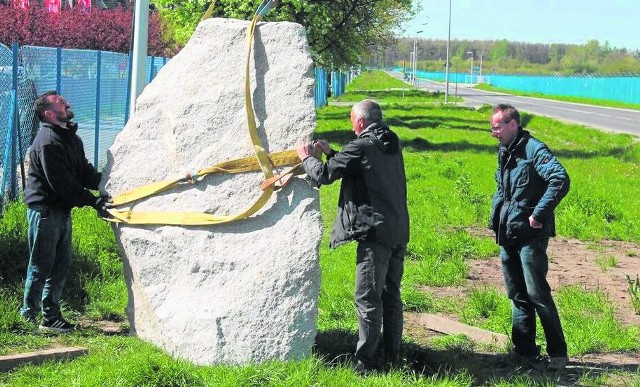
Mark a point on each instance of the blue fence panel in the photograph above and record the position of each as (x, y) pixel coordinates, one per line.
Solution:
(321, 87)
(94, 82)
(613, 88)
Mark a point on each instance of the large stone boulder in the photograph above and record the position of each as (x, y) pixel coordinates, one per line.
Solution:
(233, 293)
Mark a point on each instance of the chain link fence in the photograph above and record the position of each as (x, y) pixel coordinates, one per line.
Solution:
(96, 84)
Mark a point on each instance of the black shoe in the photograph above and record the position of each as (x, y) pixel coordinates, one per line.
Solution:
(535, 360)
(362, 369)
(57, 325)
(557, 363)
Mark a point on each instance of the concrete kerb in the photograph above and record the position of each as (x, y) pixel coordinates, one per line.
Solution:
(9, 362)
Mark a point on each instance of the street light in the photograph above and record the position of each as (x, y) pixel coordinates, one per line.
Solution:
(471, 71)
(447, 65)
(414, 63)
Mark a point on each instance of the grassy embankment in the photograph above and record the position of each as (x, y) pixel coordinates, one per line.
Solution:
(450, 160)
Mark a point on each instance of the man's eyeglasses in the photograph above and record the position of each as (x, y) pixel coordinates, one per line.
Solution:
(498, 128)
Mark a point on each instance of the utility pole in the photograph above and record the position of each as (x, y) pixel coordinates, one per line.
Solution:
(139, 54)
(471, 70)
(414, 64)
(447, 65)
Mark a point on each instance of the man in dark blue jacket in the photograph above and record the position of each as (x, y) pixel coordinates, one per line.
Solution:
(372, 209)
(531, 183)
(59, 179)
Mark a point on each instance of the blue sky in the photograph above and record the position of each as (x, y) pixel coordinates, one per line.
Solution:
(531, 21)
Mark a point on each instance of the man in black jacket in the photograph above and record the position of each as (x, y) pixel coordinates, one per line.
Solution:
(59, 179)
(372, 210)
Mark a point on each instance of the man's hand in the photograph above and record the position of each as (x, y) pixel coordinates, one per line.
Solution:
(323, 145)
(306, 150)
(533, 223)
(102, 205)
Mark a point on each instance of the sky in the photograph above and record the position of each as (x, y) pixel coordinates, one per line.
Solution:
(531, 21)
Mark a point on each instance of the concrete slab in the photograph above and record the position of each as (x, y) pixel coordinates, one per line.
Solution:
(9, 362)
(447, 326)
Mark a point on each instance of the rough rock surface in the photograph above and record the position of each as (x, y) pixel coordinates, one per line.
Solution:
(240, 292)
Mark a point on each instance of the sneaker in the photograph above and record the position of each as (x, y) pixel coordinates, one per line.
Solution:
(557, 363)
(515, 355)
(58, 325)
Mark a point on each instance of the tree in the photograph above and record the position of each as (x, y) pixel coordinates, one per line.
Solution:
(340, 32)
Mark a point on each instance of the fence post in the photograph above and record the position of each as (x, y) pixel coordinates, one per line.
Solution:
(9, 151)
(96, 137)
(16, 110)
(151, 69)
(59, 70)
(129, 69)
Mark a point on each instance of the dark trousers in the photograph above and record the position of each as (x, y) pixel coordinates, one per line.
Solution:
(525, 266)
(377, 297)
(49, 234)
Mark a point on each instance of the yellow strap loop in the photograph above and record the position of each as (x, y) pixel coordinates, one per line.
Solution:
(262, 161)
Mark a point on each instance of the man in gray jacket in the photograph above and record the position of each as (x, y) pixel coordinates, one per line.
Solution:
(531, 182)
(372, 210)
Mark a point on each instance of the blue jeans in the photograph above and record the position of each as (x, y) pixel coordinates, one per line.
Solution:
(377, 297)
(525, 266)
(49, 237)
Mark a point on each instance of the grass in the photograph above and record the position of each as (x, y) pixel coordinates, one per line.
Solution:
(634, 292)
(588, 101)
(450, 160)
(605, 262)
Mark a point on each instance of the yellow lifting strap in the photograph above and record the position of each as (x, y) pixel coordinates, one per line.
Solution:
(261, 161)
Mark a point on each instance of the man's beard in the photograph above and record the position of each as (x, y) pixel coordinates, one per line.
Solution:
(65, 117)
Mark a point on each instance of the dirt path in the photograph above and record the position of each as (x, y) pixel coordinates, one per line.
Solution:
(602, 265)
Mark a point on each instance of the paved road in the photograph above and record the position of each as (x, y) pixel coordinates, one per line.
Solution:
(605, 118)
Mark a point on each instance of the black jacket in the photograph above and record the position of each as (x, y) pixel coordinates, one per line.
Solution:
(531, 181)
(373, 195)
(59, 174)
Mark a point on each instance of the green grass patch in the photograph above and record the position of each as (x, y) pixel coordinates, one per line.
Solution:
(379, 86)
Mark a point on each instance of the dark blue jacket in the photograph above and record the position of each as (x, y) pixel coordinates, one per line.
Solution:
(59, 174)
(531, 181)
(373, 195)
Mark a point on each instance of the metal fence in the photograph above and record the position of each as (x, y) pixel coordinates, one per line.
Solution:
(613, 87)
(96, 84)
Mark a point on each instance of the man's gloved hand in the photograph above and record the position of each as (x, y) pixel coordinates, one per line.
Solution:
(102, 204)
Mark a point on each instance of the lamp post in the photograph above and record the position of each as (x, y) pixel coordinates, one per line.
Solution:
(471, 70)
(447, 65)
(411, 66)
(414, 64)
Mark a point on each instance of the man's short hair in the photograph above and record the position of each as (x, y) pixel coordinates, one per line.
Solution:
(42, 103)
(369, 110)
(508, 112)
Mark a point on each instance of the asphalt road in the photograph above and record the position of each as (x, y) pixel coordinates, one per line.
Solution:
(608, 119)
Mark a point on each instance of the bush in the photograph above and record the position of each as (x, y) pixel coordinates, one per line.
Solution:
(100, 29)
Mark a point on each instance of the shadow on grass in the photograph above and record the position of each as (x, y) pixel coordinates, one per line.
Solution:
(14, 260)
(340, 137)
(336, 348)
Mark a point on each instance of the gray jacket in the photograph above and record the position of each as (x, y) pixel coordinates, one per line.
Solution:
(531, 181)
(373, 194)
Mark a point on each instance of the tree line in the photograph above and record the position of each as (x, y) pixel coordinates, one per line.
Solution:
(507, 57)
(340, 33)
